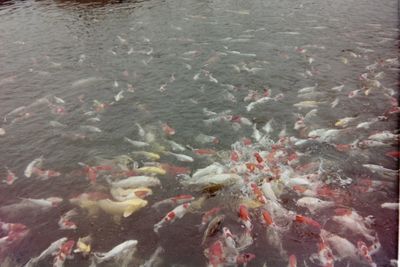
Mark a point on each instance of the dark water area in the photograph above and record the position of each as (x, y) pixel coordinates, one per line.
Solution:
(76, 77)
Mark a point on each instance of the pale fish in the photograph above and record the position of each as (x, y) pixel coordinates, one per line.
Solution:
(307, 89)
(307, 104)
(29, 169)
(124, 208)
(344, 122)
(222, 179)
(392, 206)
(215, 168)
(151, 170)
(149, 155)
(119, 96)
(175, 146)
(121, 194)
(136, 181)
(136, 143)
(180, 157)
(85, 81)
(154, 259)
(141, 131)
(384, 136)
(314, 204)
(262, 100)
(388, 174)
(338, 88)
(90, 128)
(118, 251)
(54, 247)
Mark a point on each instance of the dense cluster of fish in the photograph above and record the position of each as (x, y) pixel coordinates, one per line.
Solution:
(270, 185)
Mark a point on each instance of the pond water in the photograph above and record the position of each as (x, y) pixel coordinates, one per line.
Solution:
(295, 101)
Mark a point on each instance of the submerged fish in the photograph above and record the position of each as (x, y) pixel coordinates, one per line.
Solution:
(118, 251)
(124, 208)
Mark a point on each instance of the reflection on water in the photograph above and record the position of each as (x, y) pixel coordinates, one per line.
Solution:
(292, 107)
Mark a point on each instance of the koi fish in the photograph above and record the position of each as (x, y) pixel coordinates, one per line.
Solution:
(213, 227)
(151, 170)
(55, 246)
(171, 216)
(124, 208)
(168, 130)
(136, 143)
(121, 194)
(64, 251)
(175, 146)
(65, 223)
(149, 155)
(45, 174)
(154, 258)
(180, 157)
(208, 215)
(135, 181)
(29, 169)
(116, 252)
(11, 177)
(308, 221)
(177, 200)
(314, 204)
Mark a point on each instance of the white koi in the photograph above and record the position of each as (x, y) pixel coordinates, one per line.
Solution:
(117, 251)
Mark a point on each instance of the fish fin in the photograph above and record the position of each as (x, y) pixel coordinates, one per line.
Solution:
(128, 212)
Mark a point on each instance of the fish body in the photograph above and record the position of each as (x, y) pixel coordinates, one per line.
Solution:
(136, 143)
(117, 251)
(176, 200)
(55, 246)
(181, 157)
(121, 194)
(124, 208)
(136, 181)
(90, 129)
(392, 206)
(64, 251)
(222, 179)
(11, 177)
(149, 155)
(384, 136)
(175, 146)
(213, 227)
(171, 216)
(29, 169)
(151, 170)
(314, 204)
(262, 100)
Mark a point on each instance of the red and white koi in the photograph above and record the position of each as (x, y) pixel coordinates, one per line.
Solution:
(208, 215)
(176, 213)
(168, 130)
(53, 248)
(65, 222)
(45, 174)
(11, 177)
(176, 200)
(63, 253)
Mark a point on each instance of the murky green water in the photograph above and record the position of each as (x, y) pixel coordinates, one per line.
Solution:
(171, 61)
